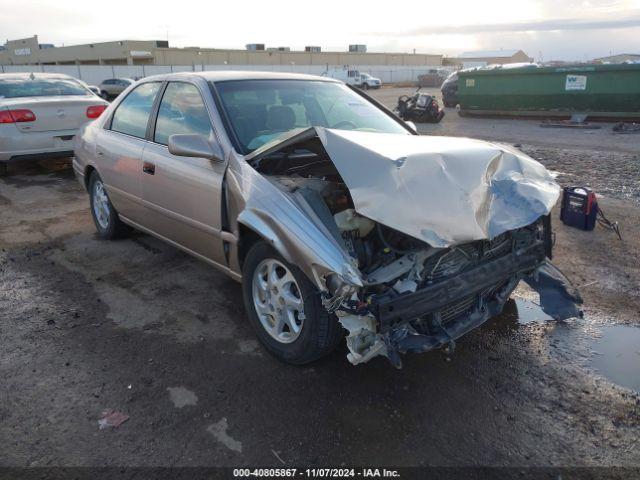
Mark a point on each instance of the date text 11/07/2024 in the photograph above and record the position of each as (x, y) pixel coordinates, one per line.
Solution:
(316, 472)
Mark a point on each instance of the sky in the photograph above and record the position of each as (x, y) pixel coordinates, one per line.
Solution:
(544, 29)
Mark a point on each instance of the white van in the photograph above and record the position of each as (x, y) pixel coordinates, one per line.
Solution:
(353, 77)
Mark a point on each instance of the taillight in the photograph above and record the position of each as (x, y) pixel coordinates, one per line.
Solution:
(5, 116)
(95, 111)
(17, 116)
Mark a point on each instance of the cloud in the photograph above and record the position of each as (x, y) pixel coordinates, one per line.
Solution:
(572, 29)
(630, 20)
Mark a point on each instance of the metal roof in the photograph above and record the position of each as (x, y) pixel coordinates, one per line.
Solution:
(488, 53)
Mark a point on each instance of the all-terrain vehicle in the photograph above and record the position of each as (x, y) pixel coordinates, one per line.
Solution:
(420, 107)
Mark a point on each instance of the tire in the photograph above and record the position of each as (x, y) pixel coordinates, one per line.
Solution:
(365, 86)
(104, 95)
(319, 332)
(4, 169)
(105, 217)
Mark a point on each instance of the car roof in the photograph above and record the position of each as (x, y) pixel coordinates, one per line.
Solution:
(226, 75)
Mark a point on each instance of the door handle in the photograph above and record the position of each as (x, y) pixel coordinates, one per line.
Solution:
(148, 167)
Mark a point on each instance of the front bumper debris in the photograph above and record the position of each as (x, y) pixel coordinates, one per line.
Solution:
(472, 281)
(419, 322)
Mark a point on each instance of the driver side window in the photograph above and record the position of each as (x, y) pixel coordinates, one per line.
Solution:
(182, 111)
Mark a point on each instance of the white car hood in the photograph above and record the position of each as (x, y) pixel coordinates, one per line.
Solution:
(442, 190)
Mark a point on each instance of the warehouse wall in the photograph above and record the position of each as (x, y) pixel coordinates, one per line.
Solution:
(182, 56)
(135, 52)
(95, 74)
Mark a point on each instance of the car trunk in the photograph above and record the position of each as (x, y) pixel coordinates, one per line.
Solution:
(55, 113)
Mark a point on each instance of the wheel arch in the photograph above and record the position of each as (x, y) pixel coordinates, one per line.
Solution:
(247, 238)
(88, 170)
(253, 228)
(252, 232)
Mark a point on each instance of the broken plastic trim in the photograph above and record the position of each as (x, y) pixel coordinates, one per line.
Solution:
(437, 296)
(558, 298)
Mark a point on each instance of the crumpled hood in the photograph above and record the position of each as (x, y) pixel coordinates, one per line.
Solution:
(442, 190)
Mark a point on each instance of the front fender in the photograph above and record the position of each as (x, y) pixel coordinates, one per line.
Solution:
(273, 214)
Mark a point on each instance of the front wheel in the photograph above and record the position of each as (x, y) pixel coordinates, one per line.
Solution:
(105, 216)
(285, 309)
(365, 86)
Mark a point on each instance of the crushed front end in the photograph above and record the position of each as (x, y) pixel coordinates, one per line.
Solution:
(429, 236)
(442, 294)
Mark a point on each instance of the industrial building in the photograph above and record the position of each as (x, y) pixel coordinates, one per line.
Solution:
(28, 51)
(489, 57)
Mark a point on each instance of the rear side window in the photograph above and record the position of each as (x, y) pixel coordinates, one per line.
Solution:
(40, 87)
(182, 111)
(132, 115)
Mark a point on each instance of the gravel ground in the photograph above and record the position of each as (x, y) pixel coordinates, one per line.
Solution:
(609, 173)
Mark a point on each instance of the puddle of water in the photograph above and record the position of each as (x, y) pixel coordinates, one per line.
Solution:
(613, 351)
(517, 311)
(529, 312)
(616, 355)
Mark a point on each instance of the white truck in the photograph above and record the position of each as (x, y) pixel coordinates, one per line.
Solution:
(354, 77)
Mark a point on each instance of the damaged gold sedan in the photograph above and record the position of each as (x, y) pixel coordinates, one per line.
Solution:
(338, 219)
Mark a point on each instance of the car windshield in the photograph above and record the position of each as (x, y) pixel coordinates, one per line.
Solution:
(262, 110)
(40, 87)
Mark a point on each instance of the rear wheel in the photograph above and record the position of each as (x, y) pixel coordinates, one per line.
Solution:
(285, 308)
(105, 216)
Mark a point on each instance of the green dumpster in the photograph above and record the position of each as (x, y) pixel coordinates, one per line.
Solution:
(602, 91)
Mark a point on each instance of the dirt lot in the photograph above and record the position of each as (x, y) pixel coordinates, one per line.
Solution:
(139, 327)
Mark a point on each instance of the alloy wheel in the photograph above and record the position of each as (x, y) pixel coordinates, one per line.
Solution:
(101, 204)
(277, 300)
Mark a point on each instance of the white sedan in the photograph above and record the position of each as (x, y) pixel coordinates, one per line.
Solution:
(40, 115)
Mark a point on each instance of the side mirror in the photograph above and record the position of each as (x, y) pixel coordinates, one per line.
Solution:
(194, 146)
(412, 126)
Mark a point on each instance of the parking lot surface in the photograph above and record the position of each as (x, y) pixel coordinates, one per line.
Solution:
(138, 327)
